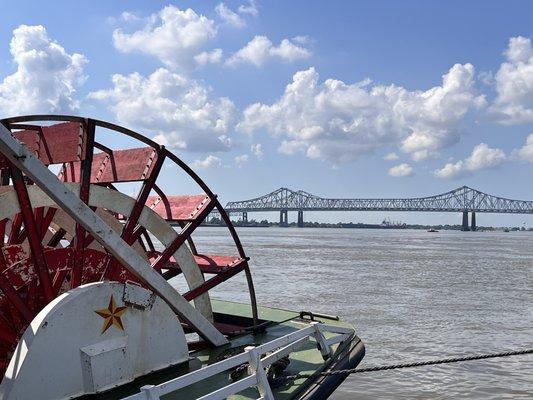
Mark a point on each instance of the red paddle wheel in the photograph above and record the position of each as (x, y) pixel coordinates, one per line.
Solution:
(44, 252)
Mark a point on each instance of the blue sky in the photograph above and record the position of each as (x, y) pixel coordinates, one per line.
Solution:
(308, 95)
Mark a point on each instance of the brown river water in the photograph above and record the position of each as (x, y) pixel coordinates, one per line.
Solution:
(411, 296)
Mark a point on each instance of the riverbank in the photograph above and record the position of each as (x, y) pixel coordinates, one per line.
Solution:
(357, 225)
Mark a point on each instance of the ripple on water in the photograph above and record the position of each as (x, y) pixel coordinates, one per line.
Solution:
(411, 295)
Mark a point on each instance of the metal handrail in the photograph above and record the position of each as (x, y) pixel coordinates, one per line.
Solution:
(258, 358)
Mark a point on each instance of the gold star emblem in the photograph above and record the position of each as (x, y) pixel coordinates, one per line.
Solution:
(111, 315)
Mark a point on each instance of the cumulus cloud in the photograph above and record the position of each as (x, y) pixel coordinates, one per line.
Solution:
(257, 150)
(46, 78)
(514, 84)
(525, 153)
(390, 156)
(250, 8)
(482, 157)
(230, 17)
(181, 111)
(338, 122)
(208, 57)
(172, 35)
(400, 171)
(260, 50)
(241, 160)
(209, 162)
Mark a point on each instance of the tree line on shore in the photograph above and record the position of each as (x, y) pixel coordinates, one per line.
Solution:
(214, 221)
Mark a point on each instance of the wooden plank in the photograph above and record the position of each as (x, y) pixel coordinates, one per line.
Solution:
(182, 208)
(55, 144)
(129, 165)
(23, 159)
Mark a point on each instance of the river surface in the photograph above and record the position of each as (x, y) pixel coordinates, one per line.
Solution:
(411, 296)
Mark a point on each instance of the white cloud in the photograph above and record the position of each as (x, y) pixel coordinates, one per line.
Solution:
(208, 57)
(514, 84)
(452, 170)
(302, 39)
(257, 150)
(482, 157)
(525, 153)
(181, 111)
(400, 171)
(241, 160)
(209, 162)
(46, 78)
(260, 50)
(172, 35)
(250, 8)
(338, 122)
(229, 17)
(391, 156)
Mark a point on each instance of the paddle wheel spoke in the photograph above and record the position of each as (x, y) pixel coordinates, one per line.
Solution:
(47, 220)
(34, 238)
(12, 295)
(185, 233)
(48, 247)
(16, 225)
(85, 181)
(128, 232)
(3, 224)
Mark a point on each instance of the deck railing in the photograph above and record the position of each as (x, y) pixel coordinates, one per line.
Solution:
(258, 358)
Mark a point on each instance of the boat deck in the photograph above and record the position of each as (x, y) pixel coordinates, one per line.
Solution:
(306, 360)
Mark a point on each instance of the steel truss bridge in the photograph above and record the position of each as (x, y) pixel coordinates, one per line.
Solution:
(463, 200)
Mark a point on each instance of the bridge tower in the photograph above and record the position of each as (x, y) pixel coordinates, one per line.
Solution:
(284, 218)
(244, 217)
(473, 222)
(300, 218)
(465, 226)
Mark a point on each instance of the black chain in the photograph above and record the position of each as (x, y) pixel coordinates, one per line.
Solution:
(412, 365)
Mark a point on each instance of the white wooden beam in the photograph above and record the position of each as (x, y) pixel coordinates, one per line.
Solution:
(22, 158)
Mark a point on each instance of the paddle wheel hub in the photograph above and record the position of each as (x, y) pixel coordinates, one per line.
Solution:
(83, 212)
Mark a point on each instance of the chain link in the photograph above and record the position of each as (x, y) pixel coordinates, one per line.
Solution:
(413, 364)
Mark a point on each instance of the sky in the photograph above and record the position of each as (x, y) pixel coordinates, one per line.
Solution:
(337, 98)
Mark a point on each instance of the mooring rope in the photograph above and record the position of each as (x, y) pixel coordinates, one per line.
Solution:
(413, 364)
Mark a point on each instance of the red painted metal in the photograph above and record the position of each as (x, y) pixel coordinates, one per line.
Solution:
(216, 280)
(34, 238)
(47, 220)
(55, 144)
(182, 208)
(12, 295)
(128, 229)
(120, 166)
(16, 224)
(183, 235)
(31, 267)
(85, 180)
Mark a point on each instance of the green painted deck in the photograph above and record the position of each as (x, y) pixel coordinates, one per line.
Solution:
(308, 360)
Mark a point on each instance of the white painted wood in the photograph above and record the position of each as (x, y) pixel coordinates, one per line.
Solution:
(231, 389)
(321, 340)
(64, 353)
(256, 368)
(282, 352)
(21, 157)
(284, 346)
(117, 202)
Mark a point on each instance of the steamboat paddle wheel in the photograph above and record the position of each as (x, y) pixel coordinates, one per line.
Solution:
(87, 274)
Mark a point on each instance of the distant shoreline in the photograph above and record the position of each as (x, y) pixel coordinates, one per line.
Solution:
(351, 225)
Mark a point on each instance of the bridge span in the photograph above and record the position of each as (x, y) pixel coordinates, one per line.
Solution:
(463, 200)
